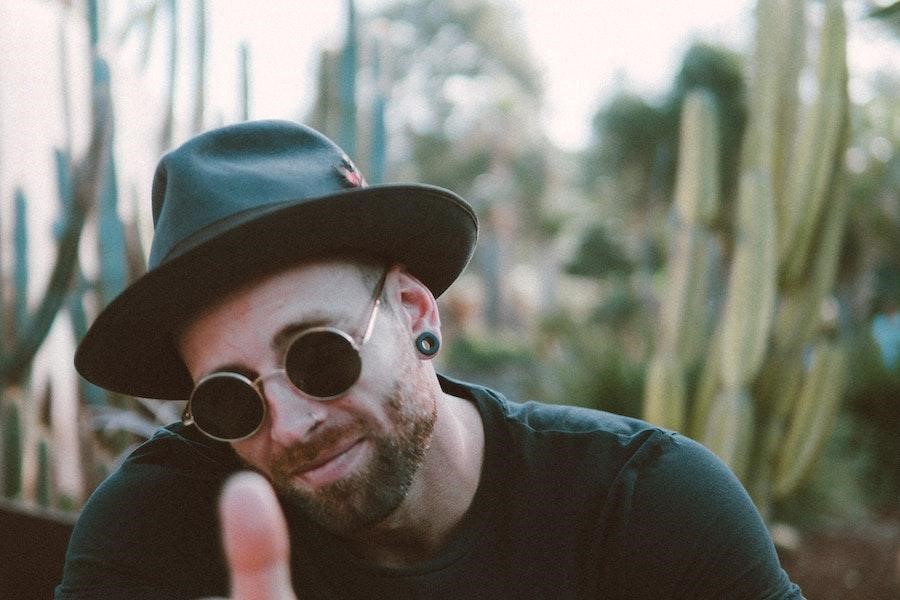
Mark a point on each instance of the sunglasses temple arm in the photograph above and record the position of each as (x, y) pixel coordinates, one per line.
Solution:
(376, 304)
(186, 417)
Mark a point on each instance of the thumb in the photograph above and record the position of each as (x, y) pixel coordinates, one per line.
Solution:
(254, 534)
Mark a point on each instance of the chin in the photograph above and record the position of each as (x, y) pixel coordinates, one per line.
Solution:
(374, 490)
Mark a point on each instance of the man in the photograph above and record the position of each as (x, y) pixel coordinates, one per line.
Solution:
(294, 308)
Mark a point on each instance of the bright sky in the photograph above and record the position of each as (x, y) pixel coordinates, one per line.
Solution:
(581, 47)
(584, 48)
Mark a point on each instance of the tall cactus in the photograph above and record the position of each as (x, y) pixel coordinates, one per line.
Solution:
(12, 450)
(20, 268)
(347, 77)
(750, 299)
(757, 403)
(683, 309)
(244, 77)
(87, 182)
(378, 146)
(44, 477)
(111, 236)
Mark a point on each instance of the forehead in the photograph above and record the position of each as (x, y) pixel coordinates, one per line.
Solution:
(325, 291)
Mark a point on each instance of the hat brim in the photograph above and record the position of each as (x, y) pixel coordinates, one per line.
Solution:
(130, 347)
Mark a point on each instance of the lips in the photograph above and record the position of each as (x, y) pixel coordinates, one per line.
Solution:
(332, 465)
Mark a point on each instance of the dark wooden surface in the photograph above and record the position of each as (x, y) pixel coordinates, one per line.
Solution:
(32, 551)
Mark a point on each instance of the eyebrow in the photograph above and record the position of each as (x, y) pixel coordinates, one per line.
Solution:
(279, 343)
(287, 333)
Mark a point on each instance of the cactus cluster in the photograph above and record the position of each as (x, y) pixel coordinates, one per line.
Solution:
(88, 193)
(770, 375)
(80, 184)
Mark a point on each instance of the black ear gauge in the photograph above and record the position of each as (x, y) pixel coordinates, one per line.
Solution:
(427, 343)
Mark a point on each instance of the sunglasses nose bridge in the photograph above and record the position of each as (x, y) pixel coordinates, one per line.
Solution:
(290, 412)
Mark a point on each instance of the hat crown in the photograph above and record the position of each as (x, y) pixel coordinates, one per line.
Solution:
(208, 182)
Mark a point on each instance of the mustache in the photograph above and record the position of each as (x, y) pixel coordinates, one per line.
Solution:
(302, 453)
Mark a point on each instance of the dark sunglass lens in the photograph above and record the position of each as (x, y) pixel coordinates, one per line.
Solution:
(226, 408)
(322, 363)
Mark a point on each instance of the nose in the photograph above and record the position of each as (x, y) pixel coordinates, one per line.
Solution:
(291, 415)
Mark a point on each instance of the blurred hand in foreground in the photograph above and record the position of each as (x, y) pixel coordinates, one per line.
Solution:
(255, 537)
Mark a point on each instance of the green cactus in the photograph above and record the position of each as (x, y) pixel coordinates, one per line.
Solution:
(111, 237)
(244, 61)
(819, 146)
(812, 418)
(684, 318)
(750, 299)
(728, 429)
(778, 60)
(696, 184)
(347, 77)
(665, 394)
(12, 451)
(200, 56)
(378, 147)
(20, 266)
(79, 187)
(44, 477)
(756, 402)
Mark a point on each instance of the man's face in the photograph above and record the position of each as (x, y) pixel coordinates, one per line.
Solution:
(347, 462)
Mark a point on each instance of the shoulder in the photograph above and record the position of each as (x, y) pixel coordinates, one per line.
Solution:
(668, 518)
(152, 519)
(684, 527)
(546, 418)
(168, 471)
(533, 430)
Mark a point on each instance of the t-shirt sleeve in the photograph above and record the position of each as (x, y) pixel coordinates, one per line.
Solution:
(149, 531)
(688, 529)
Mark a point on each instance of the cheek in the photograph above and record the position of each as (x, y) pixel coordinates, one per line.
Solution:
(254, 453)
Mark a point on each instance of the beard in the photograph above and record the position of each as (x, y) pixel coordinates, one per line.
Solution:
(379, 487)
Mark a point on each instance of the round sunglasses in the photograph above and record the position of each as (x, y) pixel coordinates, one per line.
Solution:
(321, 362)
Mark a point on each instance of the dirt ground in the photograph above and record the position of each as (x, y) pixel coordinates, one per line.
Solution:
(859, 561)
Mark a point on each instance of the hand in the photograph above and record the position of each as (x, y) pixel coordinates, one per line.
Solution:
(255, 537)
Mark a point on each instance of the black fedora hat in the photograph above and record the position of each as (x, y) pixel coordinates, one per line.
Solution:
(248, 199)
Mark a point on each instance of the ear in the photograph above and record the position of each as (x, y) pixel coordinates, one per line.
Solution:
(417, 305)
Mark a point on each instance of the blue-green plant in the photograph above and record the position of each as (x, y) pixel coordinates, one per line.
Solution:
(80, 185)
(44, 477)
(12, 451)
(347, 81)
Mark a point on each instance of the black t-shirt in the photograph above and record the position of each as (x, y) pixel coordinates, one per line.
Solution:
(572, 503)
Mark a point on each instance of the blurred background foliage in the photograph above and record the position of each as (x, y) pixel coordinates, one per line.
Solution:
(562, 301)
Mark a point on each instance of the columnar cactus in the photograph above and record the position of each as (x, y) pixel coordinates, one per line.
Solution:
(764, 409)
(683, 309)
(79, 189)
(347, 77)
(12, 451)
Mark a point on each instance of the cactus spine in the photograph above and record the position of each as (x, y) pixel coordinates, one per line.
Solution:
(757, 403)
